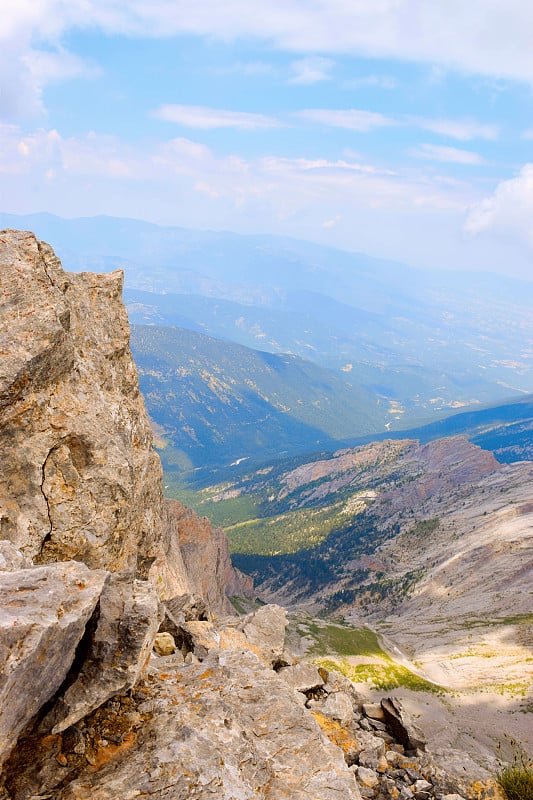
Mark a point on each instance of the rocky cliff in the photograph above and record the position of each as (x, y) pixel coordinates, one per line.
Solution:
(79, 478)
(114, 680)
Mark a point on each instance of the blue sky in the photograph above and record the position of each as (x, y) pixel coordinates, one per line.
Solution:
(395, 127)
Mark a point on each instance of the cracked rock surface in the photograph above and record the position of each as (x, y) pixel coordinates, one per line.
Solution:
(43, 615)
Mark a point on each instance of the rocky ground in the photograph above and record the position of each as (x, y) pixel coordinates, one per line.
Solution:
(225, 710)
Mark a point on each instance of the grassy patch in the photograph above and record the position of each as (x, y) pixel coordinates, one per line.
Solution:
(516, 782)
(514, 689)
(205, 502)
(383, 676)
(230, 511)
(516, 779)
(344, 641)
(244, 605)
(516, 619)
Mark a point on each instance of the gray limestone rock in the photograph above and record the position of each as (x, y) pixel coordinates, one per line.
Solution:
(367, 777)
(336, 682)
(11, 558)
(78, 476)
(265, 632)
(44, 612)
(338, 706)
(401, 725)
(187, 607)
(373, 711)
(228, 728)
(203, 637)
(303, 677)
(117, 650)
(372, 749)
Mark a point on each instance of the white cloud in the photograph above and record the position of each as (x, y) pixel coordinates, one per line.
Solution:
(331, 223)
(479, 37)
(251, 68)
(31, 53)
(508, 210)
(463, 130)
(448, 155)
(210, 118)
(353, 119)
(185, 166)
(528, 134)
(311, 70)
(46, 66)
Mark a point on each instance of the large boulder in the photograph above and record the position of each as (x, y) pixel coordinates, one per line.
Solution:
(117, 650)
(264, 630)
(303, 677)
(400, 724)
(44, 613)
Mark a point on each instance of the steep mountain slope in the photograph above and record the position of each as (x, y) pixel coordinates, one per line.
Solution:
(393, 358)
(218, 402)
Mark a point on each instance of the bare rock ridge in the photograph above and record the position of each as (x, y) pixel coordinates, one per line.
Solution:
(122, 673)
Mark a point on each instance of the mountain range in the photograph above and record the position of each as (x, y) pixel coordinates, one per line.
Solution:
(424, 343)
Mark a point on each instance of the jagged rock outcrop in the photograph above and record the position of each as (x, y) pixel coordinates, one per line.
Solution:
(206, 557)
(78, 477)
(405, 731)
(226, 728)
(117, 649)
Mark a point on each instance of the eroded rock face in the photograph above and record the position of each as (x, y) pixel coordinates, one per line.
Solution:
(117, 649)
(78, 477)
(206, 556)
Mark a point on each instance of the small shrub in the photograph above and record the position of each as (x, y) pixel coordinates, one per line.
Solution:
(516, 779)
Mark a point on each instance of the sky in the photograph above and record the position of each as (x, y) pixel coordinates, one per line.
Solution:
(399, 128)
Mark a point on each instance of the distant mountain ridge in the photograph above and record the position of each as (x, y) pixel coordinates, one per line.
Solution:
(427, 342)
(217, 402)
(406, 346)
